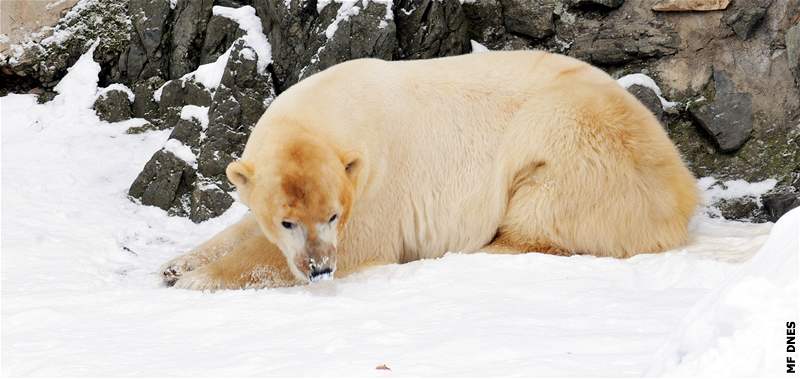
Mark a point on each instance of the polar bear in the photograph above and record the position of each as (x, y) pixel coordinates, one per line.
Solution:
(373, 162)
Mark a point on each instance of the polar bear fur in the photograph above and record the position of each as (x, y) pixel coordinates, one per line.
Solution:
(500, 152)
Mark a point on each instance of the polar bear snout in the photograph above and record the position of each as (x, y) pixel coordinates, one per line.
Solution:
(318, 262)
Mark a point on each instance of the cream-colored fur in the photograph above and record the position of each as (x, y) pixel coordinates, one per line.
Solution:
(502, 152)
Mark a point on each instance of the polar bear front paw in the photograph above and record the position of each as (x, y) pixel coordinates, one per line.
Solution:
(176, 268)
(200, 280)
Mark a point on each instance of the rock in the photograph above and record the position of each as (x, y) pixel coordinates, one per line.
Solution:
(608, 4)
(728, 117)
(430, 28)
(741, 209)
(208, 201)
(188, 31)
(485, 22)
(144, 105)
(744, 19)
(532, 18)
(220, 35)
(113, 106)
(165, 183)
(649, 98)
(793, 51)
(778, 204)
(613, 45)
(298, 33)
(178, 93)
(690, 5)
(240, 100)
(189, 133)
(200, 192)
(143, 128)
(41, 63)
(145, 56)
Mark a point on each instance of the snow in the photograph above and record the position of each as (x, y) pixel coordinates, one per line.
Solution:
(254, 36)
(195, 112)
(646, 81)
(714, 191)
(181, 151)
(82, 295)
(117, 87)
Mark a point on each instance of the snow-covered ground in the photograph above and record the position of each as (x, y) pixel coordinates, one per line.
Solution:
(81, 293)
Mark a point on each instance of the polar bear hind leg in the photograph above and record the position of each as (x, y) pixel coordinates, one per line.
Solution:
(606, 180)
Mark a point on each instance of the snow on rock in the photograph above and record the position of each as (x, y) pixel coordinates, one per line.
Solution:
(79, 87)
(181, 151)
(196, 112)
(714, 191)
(349, 8)
(248, 21)
(209, 74)
(117, 87)
(82, 293)
(646, 81)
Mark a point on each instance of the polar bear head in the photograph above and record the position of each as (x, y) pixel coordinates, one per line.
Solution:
(301, 192)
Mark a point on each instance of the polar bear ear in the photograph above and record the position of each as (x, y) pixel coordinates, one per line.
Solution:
(352, 163)
(239, 173)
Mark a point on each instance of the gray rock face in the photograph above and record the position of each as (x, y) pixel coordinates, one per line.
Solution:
(744, 18)
(623, 44)
(649, 98)
(113, 106)
(728, 118)
(164, 182)
(609, 4)
(778, 204)
(188, 31)
(793, 51)
(145, 56)
(430, 28)
(144, 105)
(531, 18)
(298, 32)
(485, 22)
(200, 192)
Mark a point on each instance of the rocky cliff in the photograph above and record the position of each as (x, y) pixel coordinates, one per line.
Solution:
(722, 75)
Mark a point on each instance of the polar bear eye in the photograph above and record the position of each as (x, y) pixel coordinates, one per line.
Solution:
(287, 225)
(333, 218)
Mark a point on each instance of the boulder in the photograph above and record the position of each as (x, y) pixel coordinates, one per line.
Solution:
(649, 98)
(744, 18)
(779, 203)
(531, 18)
(728, 117)
(113, 106)
(165, 182)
